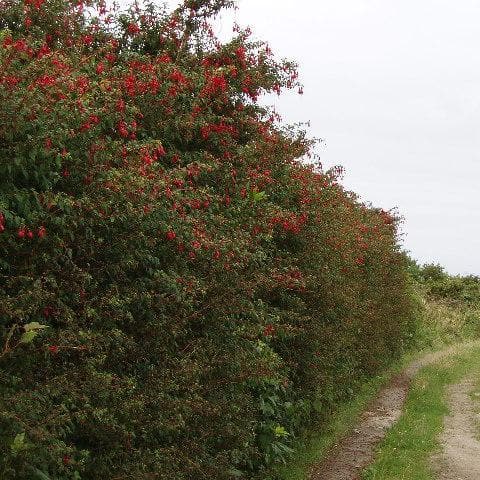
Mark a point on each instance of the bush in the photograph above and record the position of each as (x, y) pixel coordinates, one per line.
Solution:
(181, 290)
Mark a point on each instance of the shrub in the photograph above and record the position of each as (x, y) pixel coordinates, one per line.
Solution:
(181, 290)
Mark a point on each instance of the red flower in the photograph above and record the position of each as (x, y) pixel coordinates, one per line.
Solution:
(53, 349)
(100, 68)
(87, 39)
(360, 261)
(21, 233)
(66, 460)
(240, 53)
(122, 129)
(42, 231)
(120, 107)
(216, 255)
(171, 235)
(111, 57)
(160, 151)
(178, 77)
(269, 330)
(196, 245)
(133, 28)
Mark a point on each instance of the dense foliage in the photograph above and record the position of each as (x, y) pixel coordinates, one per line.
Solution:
(181, 289)
(451, 305)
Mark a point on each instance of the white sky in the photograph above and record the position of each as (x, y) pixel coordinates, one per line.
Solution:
(394, 90)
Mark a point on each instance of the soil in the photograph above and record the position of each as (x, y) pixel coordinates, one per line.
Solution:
(356, 450)
(460, 457)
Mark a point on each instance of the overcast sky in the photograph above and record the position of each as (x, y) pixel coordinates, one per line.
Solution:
(394, 90)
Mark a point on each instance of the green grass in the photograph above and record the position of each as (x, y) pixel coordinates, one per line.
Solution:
(406, 450)
(320, 438)
(476, 403)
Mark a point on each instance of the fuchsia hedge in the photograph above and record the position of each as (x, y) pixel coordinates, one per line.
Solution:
(181, 290)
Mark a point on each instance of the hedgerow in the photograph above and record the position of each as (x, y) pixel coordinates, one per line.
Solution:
(182, 287)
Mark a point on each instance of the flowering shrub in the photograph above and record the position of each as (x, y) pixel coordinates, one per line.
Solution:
(180, 291)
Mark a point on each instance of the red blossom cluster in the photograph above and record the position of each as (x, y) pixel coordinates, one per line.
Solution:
(24, 232)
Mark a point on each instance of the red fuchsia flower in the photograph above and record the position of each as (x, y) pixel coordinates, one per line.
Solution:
(196, 204)
(30, 234)
(87, 39)
(42, 231)
(21, 233)
(228, 200)
(2, 222)
(48, 143)
(53, 349)
(196, 244)
(171, 235)
(120, 106)
(110, 57)
(240, 54)
(122, 129)
(216, 255)
(360, 261)
(66, 460)
(100, 68)
(45, 81)
(65, 173)
(178, 77)
(43, 50)
(133, 29)
(165, 58)
(269, 330)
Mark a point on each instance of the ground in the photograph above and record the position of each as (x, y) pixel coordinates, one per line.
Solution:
(458, 455)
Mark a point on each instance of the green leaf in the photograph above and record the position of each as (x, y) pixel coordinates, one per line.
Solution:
(18, 443)
(41, 475)
(258, 196)
(27, 337)
(33, 326)
(280, 431)
(235, 473)
(31, 331)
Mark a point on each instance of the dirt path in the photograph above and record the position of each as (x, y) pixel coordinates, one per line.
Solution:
(356, 451)
(460, 459)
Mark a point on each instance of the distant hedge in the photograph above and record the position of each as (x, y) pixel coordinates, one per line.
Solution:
(181, 288)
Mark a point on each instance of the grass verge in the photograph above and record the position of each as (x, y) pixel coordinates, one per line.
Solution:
(316, 442)
(407, 448)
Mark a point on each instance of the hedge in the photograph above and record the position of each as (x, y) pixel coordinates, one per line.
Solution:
(182, 287)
